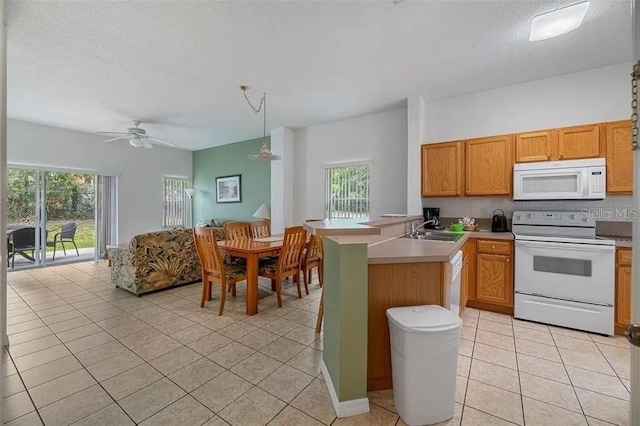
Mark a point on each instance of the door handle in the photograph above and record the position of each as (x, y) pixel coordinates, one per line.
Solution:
(633, 334)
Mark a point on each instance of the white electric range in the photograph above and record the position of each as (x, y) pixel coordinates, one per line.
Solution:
(564, 273)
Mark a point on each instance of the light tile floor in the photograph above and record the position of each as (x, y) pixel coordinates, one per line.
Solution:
(84, 352)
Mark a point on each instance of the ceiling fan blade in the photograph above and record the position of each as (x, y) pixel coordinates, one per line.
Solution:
(146, 143)
(113, 133)
(160, 141)
(116, 139)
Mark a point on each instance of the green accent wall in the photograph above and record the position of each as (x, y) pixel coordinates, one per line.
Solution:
(345, 318)
(228, 160)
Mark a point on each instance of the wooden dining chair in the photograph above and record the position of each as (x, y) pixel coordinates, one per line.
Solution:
(214, 270)
(288, 262)
(260, 229)
(236, 230)
(312, 258)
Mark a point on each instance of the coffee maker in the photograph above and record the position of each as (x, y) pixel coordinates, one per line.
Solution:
(432, 213)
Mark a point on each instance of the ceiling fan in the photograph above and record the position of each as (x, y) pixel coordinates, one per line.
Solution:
(137, 137)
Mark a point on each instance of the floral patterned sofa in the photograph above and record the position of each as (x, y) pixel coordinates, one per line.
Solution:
(218, 226)
(154, 261)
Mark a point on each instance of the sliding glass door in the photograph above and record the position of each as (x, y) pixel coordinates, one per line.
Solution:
(52, 217)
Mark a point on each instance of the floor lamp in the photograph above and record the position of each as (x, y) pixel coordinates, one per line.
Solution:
(264, 212)
(191, 192)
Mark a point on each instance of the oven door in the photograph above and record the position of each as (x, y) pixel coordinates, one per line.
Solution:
(577, 272)
(551, 184)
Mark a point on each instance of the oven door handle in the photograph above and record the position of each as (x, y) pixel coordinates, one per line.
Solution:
(566, 246)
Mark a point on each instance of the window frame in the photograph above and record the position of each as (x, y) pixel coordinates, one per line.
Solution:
(185, 206)
(327, 202)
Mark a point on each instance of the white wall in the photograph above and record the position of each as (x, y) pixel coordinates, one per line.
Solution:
(602, 94)
(139, 171)
(380, 138)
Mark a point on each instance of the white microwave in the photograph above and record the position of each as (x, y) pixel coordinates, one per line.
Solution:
(560, 180)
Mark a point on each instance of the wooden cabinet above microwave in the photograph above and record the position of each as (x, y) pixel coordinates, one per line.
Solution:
(567, 143)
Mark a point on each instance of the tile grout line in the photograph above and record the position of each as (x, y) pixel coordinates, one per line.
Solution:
(88, 372)
(569, 377)
(466, 388)
(188, 393)
(515, 351)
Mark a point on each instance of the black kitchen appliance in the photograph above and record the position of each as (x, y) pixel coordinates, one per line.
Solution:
(499, 221)
(432, 213)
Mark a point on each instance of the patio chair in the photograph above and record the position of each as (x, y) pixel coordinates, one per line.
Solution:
(21, 242)
(66, 235)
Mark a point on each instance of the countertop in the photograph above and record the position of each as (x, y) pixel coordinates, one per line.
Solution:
(621, 241)
(406, 250)
(354, 227)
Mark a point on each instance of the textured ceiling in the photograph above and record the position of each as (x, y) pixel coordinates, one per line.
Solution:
(95, 65)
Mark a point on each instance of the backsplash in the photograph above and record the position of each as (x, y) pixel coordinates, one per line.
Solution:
(615, 208)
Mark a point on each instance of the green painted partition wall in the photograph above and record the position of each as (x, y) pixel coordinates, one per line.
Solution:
(345, 318)
(230, 160)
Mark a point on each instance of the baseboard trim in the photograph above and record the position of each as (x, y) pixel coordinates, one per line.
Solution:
(344, 408)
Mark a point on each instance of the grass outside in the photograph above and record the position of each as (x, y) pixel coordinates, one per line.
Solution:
(85, 233)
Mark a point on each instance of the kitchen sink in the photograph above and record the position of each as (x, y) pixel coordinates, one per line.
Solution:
(435, 236)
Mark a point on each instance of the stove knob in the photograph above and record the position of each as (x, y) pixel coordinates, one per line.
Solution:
(572, 217)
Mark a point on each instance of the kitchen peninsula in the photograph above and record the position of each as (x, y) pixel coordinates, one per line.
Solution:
(369, 268)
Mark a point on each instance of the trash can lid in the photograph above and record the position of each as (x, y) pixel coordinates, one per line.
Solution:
(427, 318)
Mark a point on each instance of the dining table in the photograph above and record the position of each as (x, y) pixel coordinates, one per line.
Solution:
(252, 249)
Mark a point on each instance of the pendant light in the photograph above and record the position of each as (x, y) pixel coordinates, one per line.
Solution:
(265, 153)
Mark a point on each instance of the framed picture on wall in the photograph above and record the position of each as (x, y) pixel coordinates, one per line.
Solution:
(228, 189)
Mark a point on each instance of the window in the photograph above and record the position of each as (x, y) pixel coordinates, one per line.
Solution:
(174, 201)
(348, 191)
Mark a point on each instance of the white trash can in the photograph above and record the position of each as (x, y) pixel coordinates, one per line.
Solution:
(424, 358)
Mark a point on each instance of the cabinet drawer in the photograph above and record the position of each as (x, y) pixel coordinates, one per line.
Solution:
(494, 247)
(624, 257)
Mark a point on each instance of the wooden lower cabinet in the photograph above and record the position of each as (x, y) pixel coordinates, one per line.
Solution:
(623, 290)
(394, 285)
(491, 285)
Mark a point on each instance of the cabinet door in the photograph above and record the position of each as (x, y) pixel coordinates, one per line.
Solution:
(489, 165)
(623, 295)
(580, 142)
(619, 156)
(469, 253)
(494, 282)
(535, 146)
(442, 172)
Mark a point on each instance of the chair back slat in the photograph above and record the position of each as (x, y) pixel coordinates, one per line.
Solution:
(315, 250)
(236, 230)
(208, 252)
(68, 230)
(295, 239)
(260, 229)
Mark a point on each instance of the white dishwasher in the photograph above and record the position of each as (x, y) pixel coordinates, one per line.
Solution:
(454, 269)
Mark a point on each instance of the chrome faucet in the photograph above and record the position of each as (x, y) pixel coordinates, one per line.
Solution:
(415, 229)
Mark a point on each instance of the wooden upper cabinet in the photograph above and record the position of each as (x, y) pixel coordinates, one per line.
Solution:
(580, 142)
(489, 165)
(536, 146)
(619, 156)
(494, 279)
(442, 169)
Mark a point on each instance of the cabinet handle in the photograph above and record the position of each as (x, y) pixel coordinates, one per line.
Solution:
(507, 260)
(493, 247)
(561, 156)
